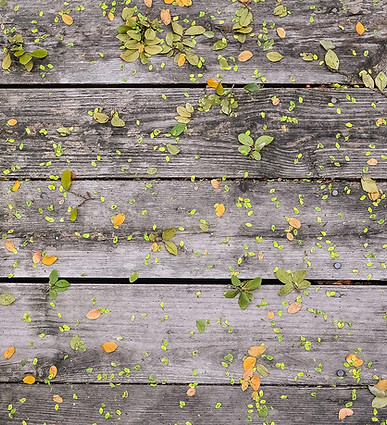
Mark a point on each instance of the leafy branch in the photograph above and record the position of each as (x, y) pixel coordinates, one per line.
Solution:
(56, 285)
(292, 281)
(244, 289)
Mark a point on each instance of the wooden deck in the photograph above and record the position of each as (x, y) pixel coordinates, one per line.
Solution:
(329, 134)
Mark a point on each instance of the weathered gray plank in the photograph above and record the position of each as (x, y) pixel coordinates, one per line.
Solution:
(161, 405)
(210, 146)
(138, 317)
(92, 34)
(344, 229)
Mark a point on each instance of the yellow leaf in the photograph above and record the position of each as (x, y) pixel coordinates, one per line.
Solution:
(16, 186)
(48, 261)
(29, 379)
(110, 16)
(294, 307)
(344, 412)
(12, 122)
(168, 1)
(295, 222)
(57, 398)
(249, 363)
(67, 19)
(9, 353)
(93, 314)
(118, 219)
(37, 257)
(255, 383)
(219, 89)
(257, 350)
(109, 347)
(360, 28)
(211, 82)
(53, 371)
(165, 16)
(353, 360)
(220, 209)
(245, 56)
(281, 32)
(148, 3)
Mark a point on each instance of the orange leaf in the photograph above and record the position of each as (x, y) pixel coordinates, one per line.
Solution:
(255, 383)
(245, 56)
(294, 307)
(110, 16)
(289, 236)
(165, 16)
(249, 363)
(372, 161)
(374, 196)
(29, 379)
(281, 32)
(93, 314)
(181, 60)
(57, 398)
(220, 209)
(344, 412)
(191, 392)
(382, 385)
(155, 247)
(211, 82)
(257, 350)
(254, 395)
(186, 2)
(354, 360)
(275, 101)
(247, 374)
(12, 122)
(10, 246)
(53, 371)
(168, 1)
(360, 28)
(215, 184)
(9, 353)
(295, 222)
(245, 385)
(109, 347)
(16, 186)
(148, 3)
(270, 315)
(67, 19)
(37, 257)
(118, 219)
(48, 261)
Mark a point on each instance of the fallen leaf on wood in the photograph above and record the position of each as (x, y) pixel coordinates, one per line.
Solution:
(211, 82)
(109, 347)
(245, 385)
(294, 307)
(16, 186)
(12, 122)
(148, 3)
(281, 32)
(67, 19)
(249, 363)
(118, 219)
(220, 209)
(372, 161)
(37, 257)
(295, 222)
(360, 28)
(191, 392)
(344, 412)
(9, 353)
(247, 374)
(10, 246)
(354, 360)
(53, 371)
(245, 56)
(270, 315)
(165, 16)
(29, 379)
(257, 350)
(57, 398)
(94, 314)
(48, 261)
(215, 184)
(381, 385)
(255, 383)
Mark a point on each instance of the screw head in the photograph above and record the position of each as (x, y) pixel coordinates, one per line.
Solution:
(340, 373)
(335, 192)
(337, 295)
(337, 266)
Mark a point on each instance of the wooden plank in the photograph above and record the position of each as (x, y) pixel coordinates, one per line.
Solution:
(320, 145)
(351, 318)
(88, 52)
(342, 236)
(161, 404)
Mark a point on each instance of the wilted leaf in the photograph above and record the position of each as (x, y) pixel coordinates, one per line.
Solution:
(220, 209)
(327, 44)
(165, 16)
(191, 392)
(148, 3)
(211, 82)
(10, 246)
(353, 360)
(57, 398)
(381, 385)
(66, 179)
(245, 385)
(29, 379)
(48, 261)
(134, 276)
(181, 60)
(255, 383)
(274, 56)
(270, 315)
(67, 19)
(344, 412)
(9, 353)
(53, 371)
(245, 56)
(369, 185)
(331, 60)
(109, 347)
(6, 299)
(12, 122)
(360, 28)
(249, 363)
(215, 184)
(118, 219)
(257, 350)
(281, 32)
(248, 374)
(295, 222)
(201, 325)
(294, 307)
(94, 314)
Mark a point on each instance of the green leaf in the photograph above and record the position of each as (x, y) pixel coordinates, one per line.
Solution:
(7, 61)
(244, 150)
(367, 79)
(3, 3)
(243, 300)
(53, 294)
(252, 285)
(134, 276)
(283, 276)
(220, 44)
(39, 53)
(100, 117)
(379, 402)
(195, 30)
(232, 293)
(24, 59)
(304, 284)
(117, 121)
(168, 234)
(151, 170)
(274, 56)
(262, 370)
(130, 56)
(286, 289)
(6, 299)
(377, 393)
(153, 50)
(299, 276)
(171, 247)
(74, 214)
(262, 141)
(209, 34)
(64, 131)
(252, 87)
(327, 44)
(236, 281)
(177, 28)
(53, 278)
(381, 81)
(201, 325)
(173, 149)
(331, 60)
(256, 155)
(75, 342)
(245, 139)
(66, 179)
(62, 284)
(263, 411)
(178, 129)
(369, 185)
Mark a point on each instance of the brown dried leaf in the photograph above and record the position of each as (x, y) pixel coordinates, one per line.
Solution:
(36, 258)
(255, 382)
(281, 32)
(247, 374)
(344, 412)
(220, 209)
(10, 246)
(48, 261)
(191, 392)
(381, 385)
(270, 315)
(215, 184)
(57, 398)
(295, 222)
(245, 385)
(148, 3)
(289, 236)
(372, 161)
(294, 307)
(67, 19)
(12, 122)
(354, 360)
(165, 16)
(53, 371)
(249, 363)
(245, 56)
(257, 350)
(94, 314)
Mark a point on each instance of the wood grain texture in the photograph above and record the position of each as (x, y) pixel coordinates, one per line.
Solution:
(145, 405)
(88, 52)
(345, 229)
(320, 145)
(353, 321)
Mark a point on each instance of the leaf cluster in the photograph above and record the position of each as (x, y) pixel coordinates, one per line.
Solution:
(165, 238)
(380, 80)
(243, 19)
(250, 148)
(103, 118)
(184, 113)
(380, 392)
(244, 289)
(228, 103)
(56, 285)
(292, 281)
